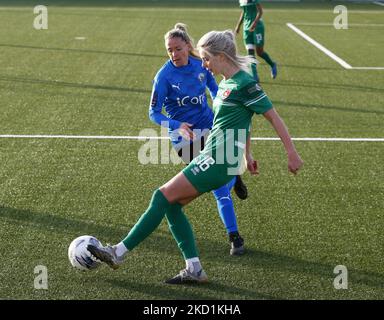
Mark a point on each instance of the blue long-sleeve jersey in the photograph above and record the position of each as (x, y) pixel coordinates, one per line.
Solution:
(181, 91)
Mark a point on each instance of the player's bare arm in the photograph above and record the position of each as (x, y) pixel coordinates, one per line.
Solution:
(239, 23)
(294, 160)
(252, 164)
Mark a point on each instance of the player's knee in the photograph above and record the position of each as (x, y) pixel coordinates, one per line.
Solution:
(222, 193)
(168, 194)
(259, 51)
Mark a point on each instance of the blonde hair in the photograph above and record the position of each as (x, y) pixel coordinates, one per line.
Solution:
(216, 42)
(180, 31)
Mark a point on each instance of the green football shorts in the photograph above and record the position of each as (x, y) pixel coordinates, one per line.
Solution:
(206, 175)
(256, 37)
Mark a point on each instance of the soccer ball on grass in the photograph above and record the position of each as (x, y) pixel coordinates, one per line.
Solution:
(80, 257)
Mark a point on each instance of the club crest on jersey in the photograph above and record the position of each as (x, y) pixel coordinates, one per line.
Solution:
(226, 93)
(201, 77)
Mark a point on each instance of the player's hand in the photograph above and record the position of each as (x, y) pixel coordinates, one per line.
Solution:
(186, 132)
(252, 165)
(294, 162)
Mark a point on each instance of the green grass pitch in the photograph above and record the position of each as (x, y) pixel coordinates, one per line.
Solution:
(297, 229)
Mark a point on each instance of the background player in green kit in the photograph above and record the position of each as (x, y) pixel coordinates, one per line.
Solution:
(253, 33)
(239, 97)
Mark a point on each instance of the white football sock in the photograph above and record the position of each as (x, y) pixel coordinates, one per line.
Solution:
(121, 249)
(193, 265)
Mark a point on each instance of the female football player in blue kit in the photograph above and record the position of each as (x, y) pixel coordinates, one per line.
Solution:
(179, 87)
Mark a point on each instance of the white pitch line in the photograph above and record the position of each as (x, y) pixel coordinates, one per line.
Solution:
(368, 68)
(320, 47)
(324, 139)
(120, 9)
(327, 139)
(327, 24)
(41, 136)
(329, 53)
(379, 3)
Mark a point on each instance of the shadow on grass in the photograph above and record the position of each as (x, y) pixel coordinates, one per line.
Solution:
(71, 84)
(145, 55)
(49, 222)
(253, 259)
(159, 242)
(278, 262)
(206, 291)
(72, 228)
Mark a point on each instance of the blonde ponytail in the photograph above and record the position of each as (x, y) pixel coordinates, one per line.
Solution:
(180, 31)
(216, 42)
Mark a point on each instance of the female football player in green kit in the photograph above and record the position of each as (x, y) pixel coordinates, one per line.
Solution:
(179, 88)
(238, 98)
(253, 33)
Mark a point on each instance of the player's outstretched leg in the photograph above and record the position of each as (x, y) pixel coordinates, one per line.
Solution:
(148, 222)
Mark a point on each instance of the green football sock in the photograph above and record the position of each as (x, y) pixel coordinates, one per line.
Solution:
(149, 220)
(254, 72)
(267, 58)
(181, 231)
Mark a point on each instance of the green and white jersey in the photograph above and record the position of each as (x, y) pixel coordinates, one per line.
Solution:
(237, 99)
(250, 12)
